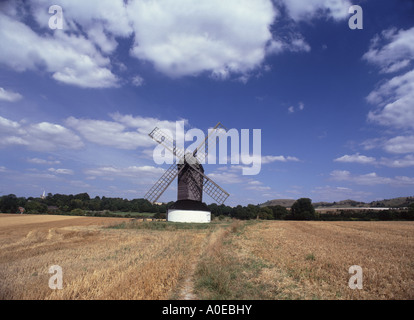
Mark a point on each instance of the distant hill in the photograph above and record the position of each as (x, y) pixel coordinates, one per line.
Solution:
(393, 203)
(279, 202)
(342, 204)
(386, 203)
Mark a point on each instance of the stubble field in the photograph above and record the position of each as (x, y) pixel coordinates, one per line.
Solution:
(223, 260)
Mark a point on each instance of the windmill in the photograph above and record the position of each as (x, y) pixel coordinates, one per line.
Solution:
(192, 181)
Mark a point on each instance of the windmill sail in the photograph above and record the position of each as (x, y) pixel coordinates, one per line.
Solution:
(165, 140)
(162, 184)
(217, 193)
(191, 178)
(209, 142)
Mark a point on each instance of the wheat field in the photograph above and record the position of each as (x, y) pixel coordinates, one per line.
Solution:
(97, 262)
(311, 260)
(226, 260)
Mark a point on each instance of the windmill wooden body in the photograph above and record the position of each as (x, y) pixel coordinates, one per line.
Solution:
(192, 181)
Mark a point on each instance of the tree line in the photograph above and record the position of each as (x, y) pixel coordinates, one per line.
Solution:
(83, 204)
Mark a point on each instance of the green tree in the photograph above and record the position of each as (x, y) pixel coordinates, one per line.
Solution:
(303, 209)
(9, 203)
(35, 207)
(279, 212)
(265, 213)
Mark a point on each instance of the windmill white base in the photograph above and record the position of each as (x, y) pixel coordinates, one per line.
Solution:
(189, 216)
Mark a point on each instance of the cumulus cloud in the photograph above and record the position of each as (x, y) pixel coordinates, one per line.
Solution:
(307, 10)
(407, 161)
(226, 177)
(371, 179)
(400, 144)
(404, 162)
(393, 51)
(9, 96)
(137, 81)
(179, 38)
(108, 133)
(300, 107)
(330, 193)
(397, 145)
(43, 136)
(140, 174)
(61, 171)
(42, 161)
(70, 59)
(125, 132)
(100, 21)
(356, 158)
(189, 37)
(270, 159)
(394, 100)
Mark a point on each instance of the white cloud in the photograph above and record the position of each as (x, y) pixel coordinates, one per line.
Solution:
(270, 159)
(294, 43)
(69, 59)
(9, 96)
(258, 188)
(394, 55)
(137, 81)
(108, 133)
(395, 99)
(139, 174)
(49, 136)
(329, 193)
(44, 136)
(407, 161)
(254, 183)
(300, 107)
(356, 158)
(309, 9)
(42, 161)
(370, 144)
(370, 179)
(187, 37)
(9, 126)
(110, 15)
(61, 171)
(226, 177)
(396, 145)
(399, 144)
(125, 132)
(180, 38)
(393, 51)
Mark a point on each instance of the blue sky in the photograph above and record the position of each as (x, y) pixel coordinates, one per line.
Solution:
(335, 106)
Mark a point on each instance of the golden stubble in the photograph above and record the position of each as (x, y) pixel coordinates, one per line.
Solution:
(97, 262)
(311, 260)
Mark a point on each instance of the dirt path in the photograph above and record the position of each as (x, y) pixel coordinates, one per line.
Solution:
(187, 292)
(211, 242)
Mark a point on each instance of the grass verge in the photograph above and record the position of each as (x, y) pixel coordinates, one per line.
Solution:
(223, 274)
(169, 226)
